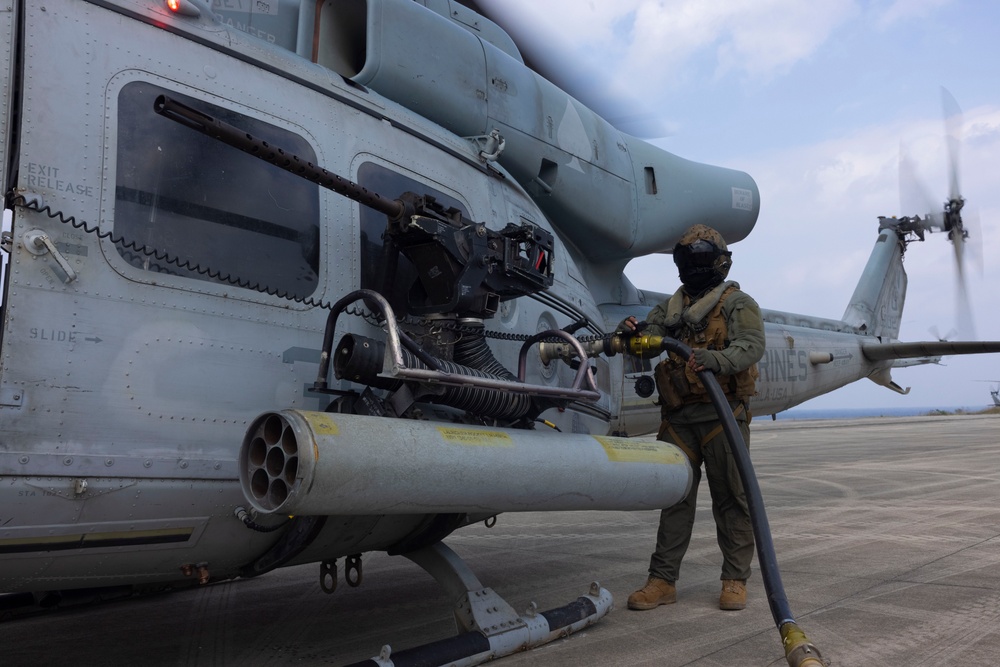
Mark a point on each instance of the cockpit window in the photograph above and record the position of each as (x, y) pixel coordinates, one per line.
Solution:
(191, 206)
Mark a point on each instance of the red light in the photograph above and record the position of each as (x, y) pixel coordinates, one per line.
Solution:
(183, 7)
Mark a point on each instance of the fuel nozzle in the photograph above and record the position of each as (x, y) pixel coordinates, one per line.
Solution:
(644, 346)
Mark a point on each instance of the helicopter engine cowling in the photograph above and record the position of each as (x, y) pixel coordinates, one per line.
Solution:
(319, 463)
(616, 197)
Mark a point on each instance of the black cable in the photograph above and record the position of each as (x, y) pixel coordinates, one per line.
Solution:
(244, 516)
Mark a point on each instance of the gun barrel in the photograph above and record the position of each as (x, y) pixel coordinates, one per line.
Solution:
(246, 142)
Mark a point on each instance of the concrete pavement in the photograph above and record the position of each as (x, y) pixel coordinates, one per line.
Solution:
(887, 533)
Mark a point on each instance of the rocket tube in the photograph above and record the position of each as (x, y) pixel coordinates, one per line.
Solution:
(319, 463)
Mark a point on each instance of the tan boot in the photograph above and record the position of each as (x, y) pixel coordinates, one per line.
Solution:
(656, 592)
(734, 595)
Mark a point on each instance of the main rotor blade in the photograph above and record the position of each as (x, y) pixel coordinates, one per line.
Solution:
(554, 57)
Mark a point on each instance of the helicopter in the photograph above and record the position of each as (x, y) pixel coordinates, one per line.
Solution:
(995, 392)
(291, 281)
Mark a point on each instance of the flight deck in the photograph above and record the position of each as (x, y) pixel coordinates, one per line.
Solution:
(887, 532)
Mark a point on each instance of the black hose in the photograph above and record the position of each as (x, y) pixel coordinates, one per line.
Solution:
(473, 351)
(244, 516)
(798, 650)
(360, 359)
(773, 586)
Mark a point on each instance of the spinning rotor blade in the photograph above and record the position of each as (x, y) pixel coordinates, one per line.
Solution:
(554, 57)
(953, 223)
(913, 194)
(962, 305)
(953, 139)
(938, 337)
(974, 240)
(913, 197)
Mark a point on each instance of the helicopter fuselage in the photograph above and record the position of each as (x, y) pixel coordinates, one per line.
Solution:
(163, 290)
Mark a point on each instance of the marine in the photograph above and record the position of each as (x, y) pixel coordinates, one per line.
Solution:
(724, 328)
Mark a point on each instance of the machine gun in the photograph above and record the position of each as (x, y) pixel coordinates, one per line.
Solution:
(463, 267)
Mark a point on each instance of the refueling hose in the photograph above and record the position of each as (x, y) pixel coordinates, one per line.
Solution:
(799, 652)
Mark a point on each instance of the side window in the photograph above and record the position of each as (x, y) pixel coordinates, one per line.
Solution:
(209, 211)
(373, 256)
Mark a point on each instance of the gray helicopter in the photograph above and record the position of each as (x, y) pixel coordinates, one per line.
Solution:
(291, 281)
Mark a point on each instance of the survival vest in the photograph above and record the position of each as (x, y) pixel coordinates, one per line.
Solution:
(677, 384)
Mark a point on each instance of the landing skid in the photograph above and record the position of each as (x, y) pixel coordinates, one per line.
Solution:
(488, 627)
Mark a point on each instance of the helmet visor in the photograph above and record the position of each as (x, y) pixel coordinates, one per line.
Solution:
(698, 255)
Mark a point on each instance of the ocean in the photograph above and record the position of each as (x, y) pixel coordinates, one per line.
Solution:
(854, 413)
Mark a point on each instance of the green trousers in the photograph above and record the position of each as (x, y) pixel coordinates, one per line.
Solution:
(729, 503)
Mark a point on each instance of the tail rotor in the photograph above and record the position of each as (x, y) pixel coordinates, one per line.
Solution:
(949, 218)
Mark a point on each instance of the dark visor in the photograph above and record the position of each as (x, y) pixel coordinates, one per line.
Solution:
(700, 254)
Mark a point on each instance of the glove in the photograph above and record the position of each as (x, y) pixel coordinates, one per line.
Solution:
(624, 328)
(706, 358)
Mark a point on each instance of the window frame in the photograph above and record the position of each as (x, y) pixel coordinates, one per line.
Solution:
(193, 283)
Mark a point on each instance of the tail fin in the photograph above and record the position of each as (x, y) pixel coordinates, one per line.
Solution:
(876, 308)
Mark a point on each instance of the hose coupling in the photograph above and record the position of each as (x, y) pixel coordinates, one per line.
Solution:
(644, 346)
(799, 651)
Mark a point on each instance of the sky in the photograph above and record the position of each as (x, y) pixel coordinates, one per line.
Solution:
(817, 101)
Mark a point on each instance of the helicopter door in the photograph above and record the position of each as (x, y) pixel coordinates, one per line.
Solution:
(8, 45)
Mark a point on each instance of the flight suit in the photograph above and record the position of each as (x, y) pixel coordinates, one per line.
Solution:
(729, 340)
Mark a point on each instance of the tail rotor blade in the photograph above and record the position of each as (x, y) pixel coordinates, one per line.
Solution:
(913, 193)
(974, 241)
(966, 327)
(953, 139)
(953, 223)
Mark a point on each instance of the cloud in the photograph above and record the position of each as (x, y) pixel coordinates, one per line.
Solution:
(820, 204)
(758, 39)
(656, 46)
(904, 10)
(813, 100)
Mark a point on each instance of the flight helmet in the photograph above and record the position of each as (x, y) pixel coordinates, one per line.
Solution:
(702, 259)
